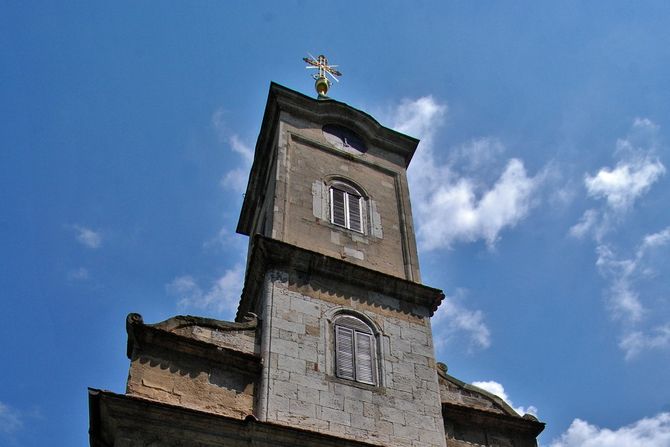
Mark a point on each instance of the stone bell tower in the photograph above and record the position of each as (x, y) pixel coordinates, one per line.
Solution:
(332, 343)
(333, 276)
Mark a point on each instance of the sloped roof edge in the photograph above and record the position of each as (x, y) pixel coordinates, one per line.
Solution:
(500, 402)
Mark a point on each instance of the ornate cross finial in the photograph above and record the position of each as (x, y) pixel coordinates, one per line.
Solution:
(322, 83)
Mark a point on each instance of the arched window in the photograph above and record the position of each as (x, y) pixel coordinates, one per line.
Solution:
(355, 350)
(346, 207)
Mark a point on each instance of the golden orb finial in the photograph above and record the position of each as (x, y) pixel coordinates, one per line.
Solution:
(321, 85)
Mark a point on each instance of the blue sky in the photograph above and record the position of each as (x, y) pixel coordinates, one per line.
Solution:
(540, 188)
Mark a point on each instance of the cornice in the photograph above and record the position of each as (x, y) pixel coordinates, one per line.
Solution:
(476, 416)
(269, 254)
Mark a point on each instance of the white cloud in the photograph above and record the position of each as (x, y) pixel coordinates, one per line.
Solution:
(478, 154)
(468, 196)
(636, 170)
(239, 147)
(641, 137)
(79, 274)
(654, 240)
(10, 421)
(622, 185)
(647, 432)
(496, 388)
(644, 124)
(507, 202)
(227, 240)
(586, 224)
(87, 237)
(236, 178)
(452, 319)
(454, 212)
(222, 296)
(624, 300)
(419, 117)
(633, 343)
(219, 123)
(562, 195)
(451, 200)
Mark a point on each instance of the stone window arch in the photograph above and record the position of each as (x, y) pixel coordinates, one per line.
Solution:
(322, 206)
(355, 350)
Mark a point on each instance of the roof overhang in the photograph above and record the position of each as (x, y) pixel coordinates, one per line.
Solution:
(478, 417)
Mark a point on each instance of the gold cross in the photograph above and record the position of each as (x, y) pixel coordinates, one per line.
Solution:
(321, 64)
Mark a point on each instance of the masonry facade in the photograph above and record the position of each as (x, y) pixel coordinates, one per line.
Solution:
(332, 342)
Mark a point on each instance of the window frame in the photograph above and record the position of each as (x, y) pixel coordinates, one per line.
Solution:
(358, 360)
(348, 193)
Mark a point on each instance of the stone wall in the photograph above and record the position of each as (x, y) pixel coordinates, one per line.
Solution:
(194, 373)
(298, 378)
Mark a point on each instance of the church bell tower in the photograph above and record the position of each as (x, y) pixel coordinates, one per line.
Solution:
(334, 278)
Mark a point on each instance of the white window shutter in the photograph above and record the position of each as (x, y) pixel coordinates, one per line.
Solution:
(364, 358)
(355, 221)
(318, 200)
(337, 207)
(344, 352)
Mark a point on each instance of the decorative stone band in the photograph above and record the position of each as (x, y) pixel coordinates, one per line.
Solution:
(269, 254)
